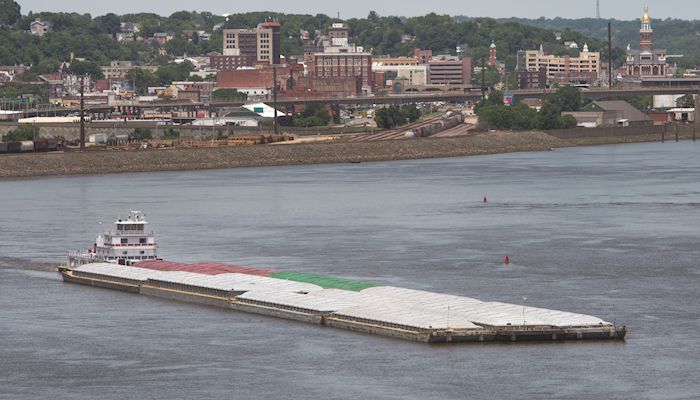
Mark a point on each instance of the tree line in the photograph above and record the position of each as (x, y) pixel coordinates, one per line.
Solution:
(494, 114)
(91, 38)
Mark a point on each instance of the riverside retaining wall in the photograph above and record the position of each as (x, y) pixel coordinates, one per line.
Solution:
(97, 162)
(581, 133)
(180, 159)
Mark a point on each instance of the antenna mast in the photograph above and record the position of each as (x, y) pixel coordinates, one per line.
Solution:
(597, 9)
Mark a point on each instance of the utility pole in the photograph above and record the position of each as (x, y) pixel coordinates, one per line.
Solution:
(274, 96)
(610, 60)
(483, 78)
(82, 113)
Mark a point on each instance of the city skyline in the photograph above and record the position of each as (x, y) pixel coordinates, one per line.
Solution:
(622, 10)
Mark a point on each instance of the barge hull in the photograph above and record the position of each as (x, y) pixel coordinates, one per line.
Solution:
(70, 278)
(328, 319)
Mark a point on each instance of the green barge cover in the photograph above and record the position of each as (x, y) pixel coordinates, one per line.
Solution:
(325, 282)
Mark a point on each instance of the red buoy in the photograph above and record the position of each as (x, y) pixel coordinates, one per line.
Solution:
(486, 200)
(507, 260)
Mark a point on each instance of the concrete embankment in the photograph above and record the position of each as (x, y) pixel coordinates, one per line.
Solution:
(99, 162)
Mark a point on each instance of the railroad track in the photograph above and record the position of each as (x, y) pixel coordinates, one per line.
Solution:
(399, 133)
(459, 130)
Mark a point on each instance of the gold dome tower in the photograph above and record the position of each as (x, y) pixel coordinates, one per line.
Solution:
(646, 19)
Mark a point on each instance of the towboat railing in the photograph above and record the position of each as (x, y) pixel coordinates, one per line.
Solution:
(78, 258)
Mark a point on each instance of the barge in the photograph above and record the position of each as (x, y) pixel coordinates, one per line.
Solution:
(126, 260)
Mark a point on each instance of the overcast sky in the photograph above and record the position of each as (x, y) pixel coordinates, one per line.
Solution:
(619, 9)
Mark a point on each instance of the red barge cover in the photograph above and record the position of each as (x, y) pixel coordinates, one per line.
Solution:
(205, 268)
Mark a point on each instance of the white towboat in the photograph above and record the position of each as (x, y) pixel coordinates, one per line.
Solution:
(130, 242)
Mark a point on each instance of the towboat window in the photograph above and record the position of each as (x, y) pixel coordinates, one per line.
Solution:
(129, 227)
(125, 241)
(142, 240)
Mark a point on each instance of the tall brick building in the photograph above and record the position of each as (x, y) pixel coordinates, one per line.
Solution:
(331, 65)
(248, 47)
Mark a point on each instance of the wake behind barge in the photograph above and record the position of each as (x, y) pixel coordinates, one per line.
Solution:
(126, 260)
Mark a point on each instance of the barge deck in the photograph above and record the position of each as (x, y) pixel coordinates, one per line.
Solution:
(407, 314)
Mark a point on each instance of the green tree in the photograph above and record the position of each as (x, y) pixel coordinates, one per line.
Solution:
(142, 134)
(523, 118)
(548, 117)
(22, 132)
(16, 90)
(566, 122)
(518, 117)
(411, 112)
(494, 117)
(567, 98)
(171, 134)
(10, 12)
(109, 24)
(390, 117)
(687, 101)
(313, 115)
(86, 68)
(384, 119)
(141, 79)
(494, 98)
(223, 95)
(490, 79)
(174, 72)
(180, 46)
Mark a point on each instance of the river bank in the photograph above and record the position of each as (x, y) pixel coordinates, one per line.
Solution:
(102, 162)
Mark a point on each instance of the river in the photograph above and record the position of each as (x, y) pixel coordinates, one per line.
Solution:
(610, 231)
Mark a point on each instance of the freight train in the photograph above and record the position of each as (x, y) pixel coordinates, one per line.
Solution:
(450, 120)
(28, 146)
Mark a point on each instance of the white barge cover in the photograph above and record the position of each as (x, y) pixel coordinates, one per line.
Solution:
(384, 304)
